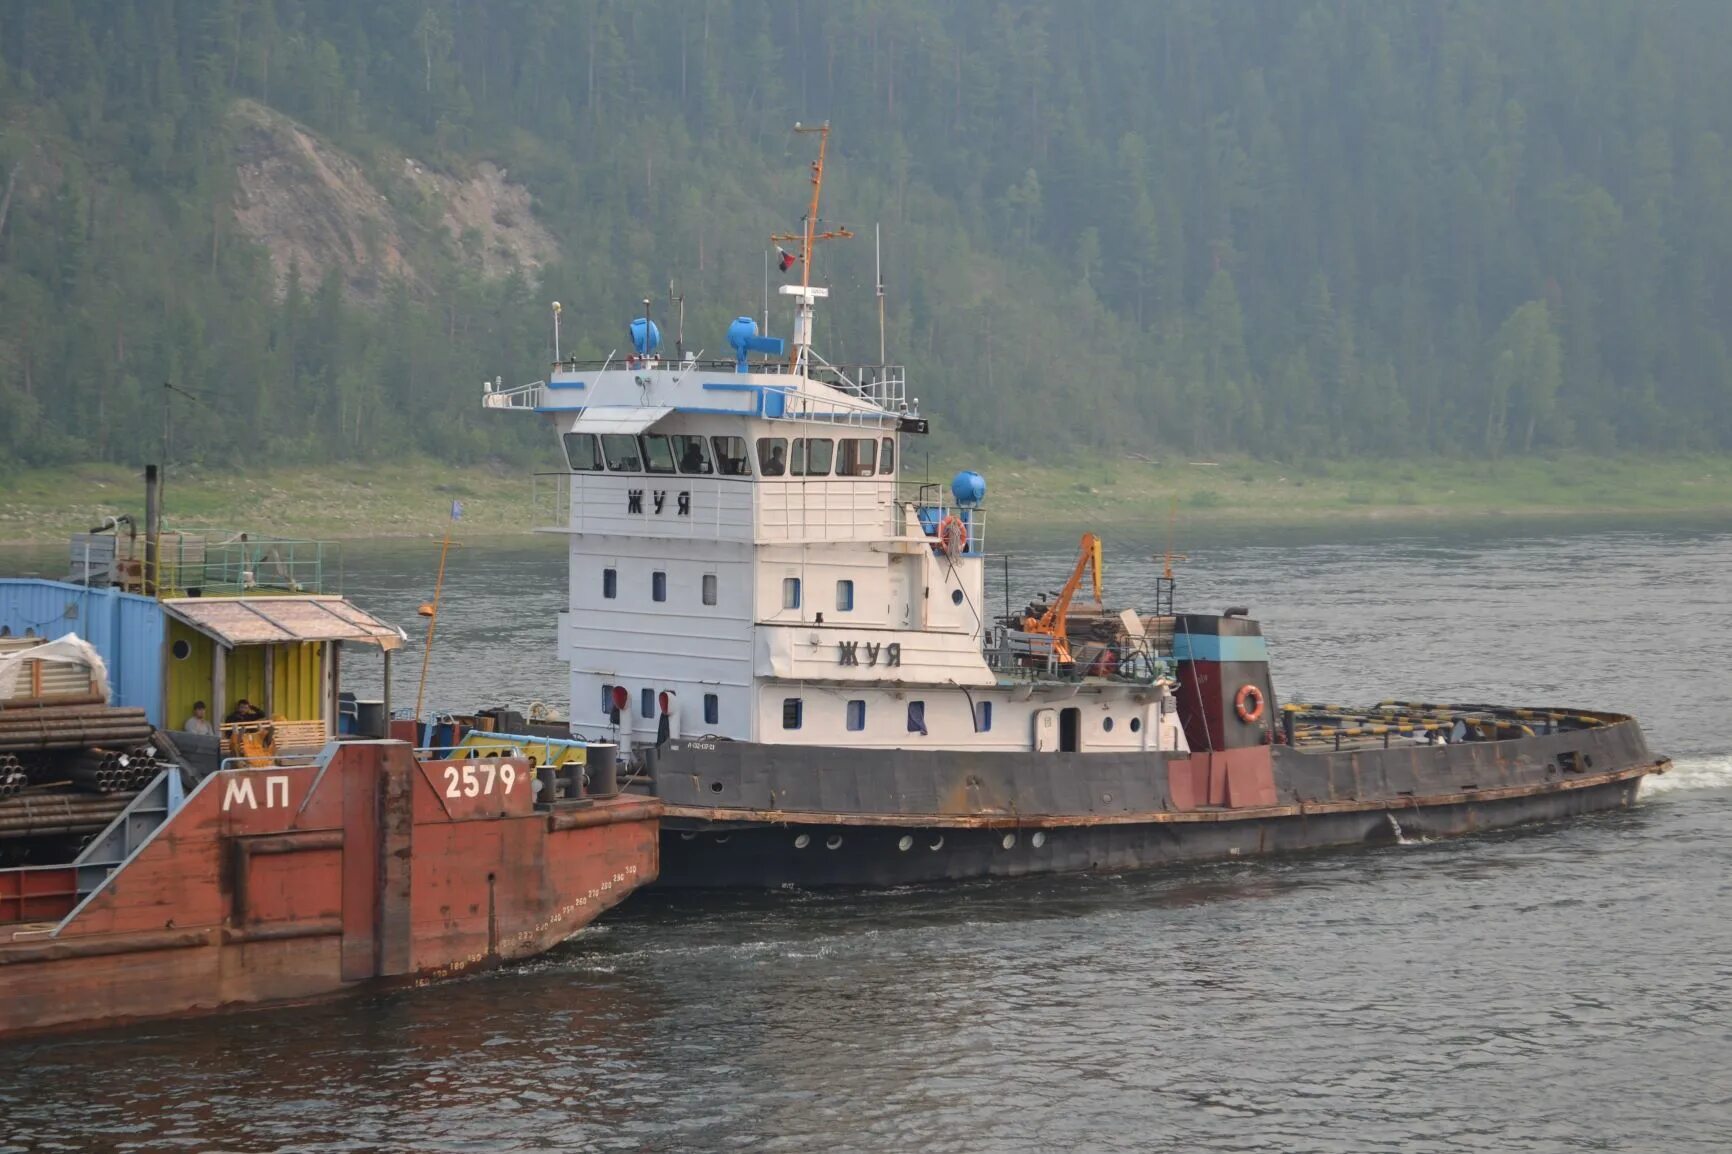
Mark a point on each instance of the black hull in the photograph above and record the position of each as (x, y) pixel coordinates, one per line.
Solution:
(700, 854)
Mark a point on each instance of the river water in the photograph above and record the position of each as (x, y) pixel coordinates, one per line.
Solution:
(1555, 989)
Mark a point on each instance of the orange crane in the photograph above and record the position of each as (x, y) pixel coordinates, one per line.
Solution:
(1052, 622)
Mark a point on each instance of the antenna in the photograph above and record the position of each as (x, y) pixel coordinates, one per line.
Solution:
(678, 302)
(878, 275)
(556, 332)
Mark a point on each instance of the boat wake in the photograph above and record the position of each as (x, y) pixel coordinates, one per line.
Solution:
(1401, 835)
(1691, 775)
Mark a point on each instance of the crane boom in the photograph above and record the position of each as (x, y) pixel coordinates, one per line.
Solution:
(1052, 622)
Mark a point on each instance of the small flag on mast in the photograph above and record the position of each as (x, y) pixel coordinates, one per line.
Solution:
(784, 259)
(457, 510)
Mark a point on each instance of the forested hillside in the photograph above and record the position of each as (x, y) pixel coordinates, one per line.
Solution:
(1293, 229)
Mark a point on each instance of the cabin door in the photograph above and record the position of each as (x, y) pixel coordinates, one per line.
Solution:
(1045, 730)
(1070, 730)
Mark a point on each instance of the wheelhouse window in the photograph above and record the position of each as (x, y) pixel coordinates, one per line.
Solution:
(731, 459)
(658, 453)
(856, 715)
(621, 452)
(693, 454)
(709, 588)
(790, 592)
(658, 586)
(844, 595)
(887, 457)
(857, 457)
(917, 717)
(793, 711)
(983, 717)
(812, 456)
(712, 709)
(582, 453)
(610, 583)
(772, 456)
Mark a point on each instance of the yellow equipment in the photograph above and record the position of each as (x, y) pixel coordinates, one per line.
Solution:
(1052, 622)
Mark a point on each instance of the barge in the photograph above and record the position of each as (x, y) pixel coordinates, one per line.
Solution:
(156, 862)
(789, 642)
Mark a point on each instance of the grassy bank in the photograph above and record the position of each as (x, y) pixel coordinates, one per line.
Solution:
(412, 498)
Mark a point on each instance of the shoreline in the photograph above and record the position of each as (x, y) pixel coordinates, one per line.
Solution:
(411, 499)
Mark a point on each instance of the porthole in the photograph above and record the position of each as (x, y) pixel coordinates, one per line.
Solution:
(1009, 840)
(687, 836)
(834, 841)
(803, 841)
(906, 844)
(722, 838)
(1107, 725)
(1039, 838)
(715, 787)
(956, 597)
(1136, 724)
(182, 649)
(937, 843)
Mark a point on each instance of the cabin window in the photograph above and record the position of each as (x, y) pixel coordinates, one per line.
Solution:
(856, 715)
(610, 583)
(731, 458)
(607, 701)
(812, 456)
(582, 453)
(709, 588)
(772, 456)
(712, 709)
(693, 454)
(621, 452)
(887, 457)
(917, 717)
(790, 592)
(983, 717)
(658, 453)
(856, 457)
(844, 595)
(646, 701)
(792, 712)
(1107, 724)
(658, 586)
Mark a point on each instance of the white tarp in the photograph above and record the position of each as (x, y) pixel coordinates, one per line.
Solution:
(619, 418)
(68, 650)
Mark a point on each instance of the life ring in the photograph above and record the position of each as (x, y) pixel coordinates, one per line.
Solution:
(1248, 704)
(952, 535)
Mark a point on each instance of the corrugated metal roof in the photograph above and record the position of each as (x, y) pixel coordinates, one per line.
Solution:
(125, 628)
(264, 620)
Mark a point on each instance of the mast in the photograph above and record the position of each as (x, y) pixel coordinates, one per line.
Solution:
(808, 236)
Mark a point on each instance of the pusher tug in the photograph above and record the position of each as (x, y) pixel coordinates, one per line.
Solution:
(792, 650)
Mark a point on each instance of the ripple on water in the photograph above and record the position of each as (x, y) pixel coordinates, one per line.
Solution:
(1555, 989)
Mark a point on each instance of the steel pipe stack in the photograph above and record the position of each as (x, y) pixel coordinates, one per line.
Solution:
(70, 727)
(12, 783)
(46, 815)
(100, 771)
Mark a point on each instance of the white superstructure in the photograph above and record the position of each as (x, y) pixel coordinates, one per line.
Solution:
(744, 558)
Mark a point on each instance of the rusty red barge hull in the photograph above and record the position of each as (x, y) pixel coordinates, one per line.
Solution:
(278, 883)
